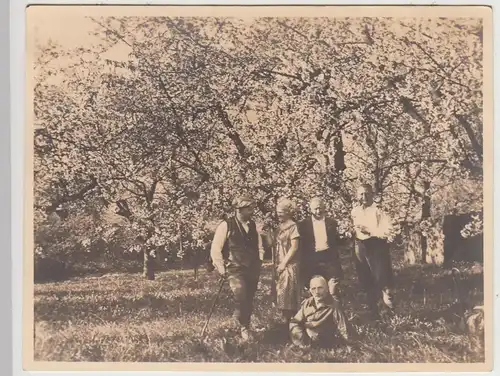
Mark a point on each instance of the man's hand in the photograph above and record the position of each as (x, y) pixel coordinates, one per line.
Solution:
(221, 270)
(334, 286)
(281, 268)
(363, 229)
(262, 253)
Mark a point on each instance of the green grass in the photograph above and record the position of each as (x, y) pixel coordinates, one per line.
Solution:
(122, 317)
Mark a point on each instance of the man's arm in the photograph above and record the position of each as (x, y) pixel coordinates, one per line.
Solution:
(262, 251)
(338, 275)
(294, 246)
(217, 246)
(299, 317)
(355, 222)
(297, 330)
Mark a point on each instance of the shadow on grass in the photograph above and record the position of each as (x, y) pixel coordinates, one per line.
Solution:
(276, 335)
(144, 306)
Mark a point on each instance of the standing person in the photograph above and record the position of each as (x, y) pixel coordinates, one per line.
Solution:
(372, 228)
(319, 242)
(286, 261)
(237, 254)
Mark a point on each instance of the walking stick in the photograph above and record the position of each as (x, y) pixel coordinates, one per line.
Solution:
(222, 281)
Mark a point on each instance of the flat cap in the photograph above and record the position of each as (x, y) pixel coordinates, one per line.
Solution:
(243, 202)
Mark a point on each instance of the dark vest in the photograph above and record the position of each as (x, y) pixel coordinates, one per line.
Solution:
(241, 248)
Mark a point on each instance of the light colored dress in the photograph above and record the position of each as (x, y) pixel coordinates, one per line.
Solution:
(287, 285)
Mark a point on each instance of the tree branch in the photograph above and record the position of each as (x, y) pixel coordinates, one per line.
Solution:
(112, 31)
(476, 145)
(408, 43)
(269, 71)
(130, 190)
(398, 164)
(205, 175)
(231, 132)
(321, 41)
(299, 174)
(79, 195)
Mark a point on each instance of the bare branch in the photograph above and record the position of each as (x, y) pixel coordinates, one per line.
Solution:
(71, 197)
(476, 145)
(404, 163)
(231, 131)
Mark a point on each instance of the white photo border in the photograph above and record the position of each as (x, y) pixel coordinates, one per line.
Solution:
(12, 195)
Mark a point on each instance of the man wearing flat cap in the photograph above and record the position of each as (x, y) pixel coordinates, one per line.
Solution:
(237, 254)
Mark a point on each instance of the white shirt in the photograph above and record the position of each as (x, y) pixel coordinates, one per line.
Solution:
(219, 240)
(320, 236)
(374, 219)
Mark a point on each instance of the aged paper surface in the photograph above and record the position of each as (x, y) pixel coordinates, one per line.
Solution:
(71, 27)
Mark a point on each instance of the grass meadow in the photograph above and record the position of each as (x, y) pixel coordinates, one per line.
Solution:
(125, 318)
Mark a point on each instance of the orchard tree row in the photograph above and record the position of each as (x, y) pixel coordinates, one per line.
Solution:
(155, 141)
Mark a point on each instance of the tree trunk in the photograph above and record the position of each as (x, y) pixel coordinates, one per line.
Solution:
(180, 252)
(148, 270)
(413, 248)
(426, 213)
(339, 158)
(195, 264)
(435, 242)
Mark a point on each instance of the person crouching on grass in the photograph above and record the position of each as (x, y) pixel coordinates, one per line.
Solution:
(319, 321)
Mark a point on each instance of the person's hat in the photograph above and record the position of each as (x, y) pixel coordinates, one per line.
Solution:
(243, 202)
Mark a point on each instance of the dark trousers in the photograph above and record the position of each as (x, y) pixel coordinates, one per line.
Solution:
(243, 282)
(373, 266)
(327, 264)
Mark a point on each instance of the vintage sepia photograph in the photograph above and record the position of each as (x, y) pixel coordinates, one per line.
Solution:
(259, 184)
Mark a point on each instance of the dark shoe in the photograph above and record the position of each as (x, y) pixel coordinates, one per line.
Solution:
(375, 315)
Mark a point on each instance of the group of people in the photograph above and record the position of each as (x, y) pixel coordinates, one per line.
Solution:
(305, 256)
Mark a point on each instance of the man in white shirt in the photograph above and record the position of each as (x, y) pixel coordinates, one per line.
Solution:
(372, 228)
(237, 254)
(319, 242)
